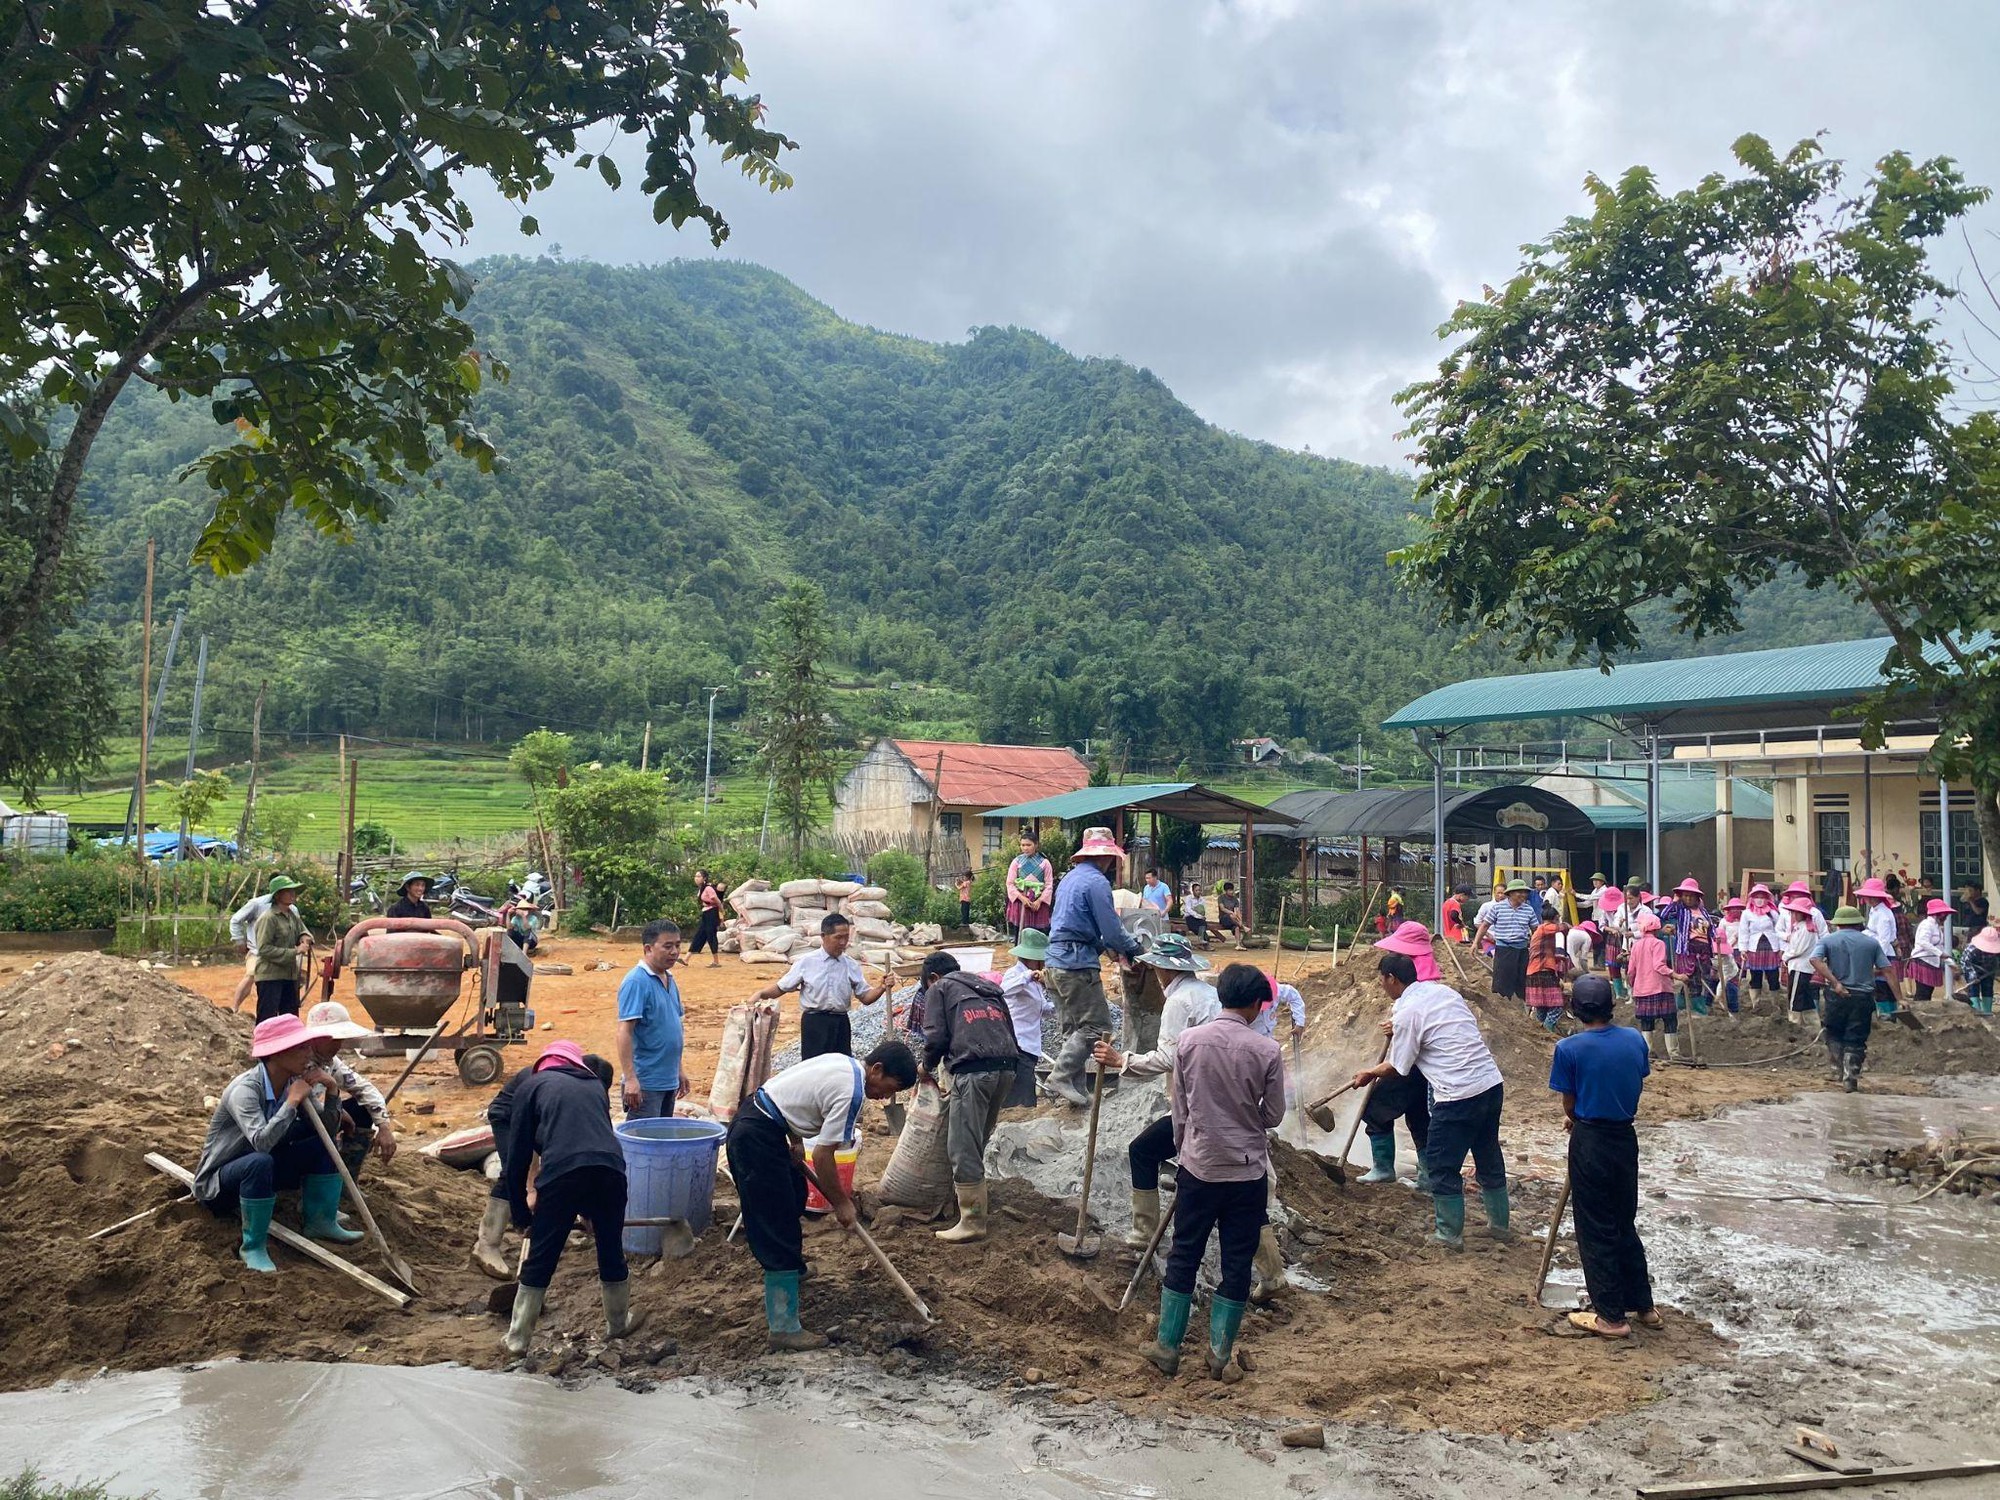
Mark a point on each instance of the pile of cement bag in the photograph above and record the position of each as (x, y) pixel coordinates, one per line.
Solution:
(774, 926)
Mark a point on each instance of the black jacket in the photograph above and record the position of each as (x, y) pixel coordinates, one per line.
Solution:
(500, 1113)
(967, 1026)
(563, 1115)
(405, 907)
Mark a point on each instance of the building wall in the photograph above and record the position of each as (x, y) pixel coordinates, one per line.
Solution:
(1882, 816)
(881, 797)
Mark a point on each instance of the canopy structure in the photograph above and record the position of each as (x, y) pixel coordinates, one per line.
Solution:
(1189, 801)
(1483, 815)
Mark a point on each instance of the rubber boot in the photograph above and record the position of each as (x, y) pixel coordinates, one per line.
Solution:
(1655, 1047)
(618, 1317)
(1885, 1007)
(1850, 1069)
(1268, 1263)
(1674, 1046)
(1066, 1079)
(1499, 1213)
(487, 1252)
(971, 1223)
(527, 1313)
(1423, 1175)
(781, 1314)
(1165, 1354)
(1383, 1149)
(1448, 1210)
(256, 1232)
(1225, 1319)
(1145, 1218)
(319, 1210)
(1835, 1059)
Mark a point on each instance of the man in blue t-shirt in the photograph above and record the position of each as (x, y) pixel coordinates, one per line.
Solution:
(649, 1027)
(1847, 961)
(1599, 1072)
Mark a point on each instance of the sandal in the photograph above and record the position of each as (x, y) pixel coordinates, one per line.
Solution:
(1650, 1318)
(1589, 1322)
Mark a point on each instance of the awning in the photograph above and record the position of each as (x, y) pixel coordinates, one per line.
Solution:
(1485, 815)
(1188, 801)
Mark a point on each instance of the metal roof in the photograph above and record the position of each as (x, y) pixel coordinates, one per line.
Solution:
(1687, 796)
(1478, 815)
(1189, 801)
(976, 775)
(1742, 690)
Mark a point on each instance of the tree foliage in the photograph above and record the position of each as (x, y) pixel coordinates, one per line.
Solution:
(235, 200)
(192, 800)
(793, 711)
(1681, 397)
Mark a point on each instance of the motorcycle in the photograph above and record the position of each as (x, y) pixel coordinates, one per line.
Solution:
(361, 896)
(472, 910)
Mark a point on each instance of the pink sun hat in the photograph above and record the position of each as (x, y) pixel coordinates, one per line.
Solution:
(1587, 926)
(1645, 922)
(1987, 939)
(1734, 903)
(1872, 889)
(1801, 904)
(1413, 940)
(557, 1054)
(1611, 898)
(1097, 841)
(1936, 908)
(1798, 888)
(278, 1034)
(1760, 889)
(1688, 887)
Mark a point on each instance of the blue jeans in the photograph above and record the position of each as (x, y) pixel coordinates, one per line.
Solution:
(1459, 1126)
(263, 1174)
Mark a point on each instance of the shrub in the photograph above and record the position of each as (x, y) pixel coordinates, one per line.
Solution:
(62, 895)
(372, 838)
(902, 876)
(989, 894)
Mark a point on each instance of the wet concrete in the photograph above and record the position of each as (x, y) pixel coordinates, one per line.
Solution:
(1878, 1321)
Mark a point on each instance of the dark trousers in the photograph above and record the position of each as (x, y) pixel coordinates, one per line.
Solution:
(1849, 1018)
(707, 932)
(822, 1031)
(965, 913)
(264, 1174)
(1604, 1191)
(1235, 1211)
(1459, 1126)
(277, 997)
(1510, 973)
(596, 1194)
(770, 1189)
(1023, 1094)
(1763, 979)
(1396, 1098)
(1149, 1148)
(1804, 992)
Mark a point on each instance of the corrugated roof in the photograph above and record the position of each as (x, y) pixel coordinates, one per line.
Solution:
(1473, 815)
(1687, 795)
(1189, 801)
(1698, 693)
(975, 775)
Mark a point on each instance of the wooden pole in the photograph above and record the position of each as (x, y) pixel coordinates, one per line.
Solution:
(1249, 880)
(145, 730)
(347, 834)
(646, 747)
(1549, 1244)
(340, 871)
(1788, 1484)
(256, 754)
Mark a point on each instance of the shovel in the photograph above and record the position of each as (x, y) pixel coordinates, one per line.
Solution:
(1145, 1260)
(1323, 1117)
(398, 1267)
(1549, 1244)
(1083, 1245)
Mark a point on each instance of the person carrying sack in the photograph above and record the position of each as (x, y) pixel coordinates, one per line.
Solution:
(967, 1029)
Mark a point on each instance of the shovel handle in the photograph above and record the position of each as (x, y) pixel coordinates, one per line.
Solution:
(882, 1259)
(1549, 1244)
(1090, 1156)
(1145, 1260)
(396, 1264)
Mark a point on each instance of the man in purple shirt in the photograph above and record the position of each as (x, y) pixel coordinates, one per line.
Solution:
(1229, 1089)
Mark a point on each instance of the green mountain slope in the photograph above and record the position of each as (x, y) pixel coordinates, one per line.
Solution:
(1059, 537)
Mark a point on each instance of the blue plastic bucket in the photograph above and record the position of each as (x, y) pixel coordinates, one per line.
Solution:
(669, 1174)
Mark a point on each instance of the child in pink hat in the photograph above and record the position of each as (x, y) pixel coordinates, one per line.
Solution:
(1653, 984)
(1414, 940)
(1930, 949)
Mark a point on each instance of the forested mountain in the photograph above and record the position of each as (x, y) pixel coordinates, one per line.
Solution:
(1059, 536)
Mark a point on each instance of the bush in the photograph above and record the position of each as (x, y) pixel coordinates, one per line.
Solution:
(29, 1485)
(902, 876)
(372, 839)
(62, 895)
(989, 894)
(636, 887)
(321, 901)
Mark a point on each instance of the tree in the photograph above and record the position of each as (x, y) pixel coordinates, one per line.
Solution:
(1682, 397)
(235, 200)
(192, 800)
(55, 678)
(542, 758)
(790, 701)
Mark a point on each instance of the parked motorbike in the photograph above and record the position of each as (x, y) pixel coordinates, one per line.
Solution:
(473, 910)
(361, 896)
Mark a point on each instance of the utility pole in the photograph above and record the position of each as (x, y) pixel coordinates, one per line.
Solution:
(149, 727)
(145, 723)
(708, 759)
(194, 729)
(256, 754)
(646, 748)
(347, 838)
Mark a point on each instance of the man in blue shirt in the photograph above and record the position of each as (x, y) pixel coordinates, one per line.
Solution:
(649, 1027)
(1847, 961)
(1599, 1073)
(1157, 894)
(1083, 925)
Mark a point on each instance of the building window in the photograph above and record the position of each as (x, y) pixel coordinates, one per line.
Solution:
(1832, 832)
(992, 831)
(1966, 866)
(952, 825)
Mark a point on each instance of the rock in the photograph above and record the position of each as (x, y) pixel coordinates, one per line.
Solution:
(548, 1026)
(1078, 1397)
(1033, 1376)
(601, 966)
(1313, 1436)
(56, 1050)
(554, 969)
(423, 1106)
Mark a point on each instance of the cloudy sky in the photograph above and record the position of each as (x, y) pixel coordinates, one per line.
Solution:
(1270, 203)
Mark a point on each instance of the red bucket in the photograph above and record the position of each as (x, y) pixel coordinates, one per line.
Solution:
(843, 1163)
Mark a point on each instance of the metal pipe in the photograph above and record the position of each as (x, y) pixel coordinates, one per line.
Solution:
(345, 952)
(1945, 881)
(1653, 806)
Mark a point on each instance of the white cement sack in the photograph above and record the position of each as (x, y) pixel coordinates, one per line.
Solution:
(860, 908)
(800, 890)
(766, 956)
(779, 940)
(757, 901)
(870, 930)
(871, 893)
(749, 886)
(926, 934)
(919, 1170)
(760, 918)
(837, 890)
(1123, 900)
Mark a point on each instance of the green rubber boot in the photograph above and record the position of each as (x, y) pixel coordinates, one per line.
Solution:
(1499, 1212)
(1383, 1149)
(1448, 1210)
(1174, 1310)
(781, 1314)
(1225, 1320)
(319, 1208)
(256, 1232)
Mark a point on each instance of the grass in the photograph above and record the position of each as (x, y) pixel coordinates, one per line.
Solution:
(29, 1485)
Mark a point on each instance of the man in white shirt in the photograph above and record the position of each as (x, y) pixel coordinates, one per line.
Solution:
(828, 983)
(1432, 1028)
(1284, 997)
(243, 933)
(813, 1105)
(1190, 1001)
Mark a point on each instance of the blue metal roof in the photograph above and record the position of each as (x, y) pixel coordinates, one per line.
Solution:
(1189, 801)
(1724, 690)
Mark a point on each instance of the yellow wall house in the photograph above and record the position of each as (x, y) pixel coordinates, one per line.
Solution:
(933, 796)
(1779, 719)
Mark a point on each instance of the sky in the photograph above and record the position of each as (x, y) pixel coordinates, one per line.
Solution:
(1271, 204)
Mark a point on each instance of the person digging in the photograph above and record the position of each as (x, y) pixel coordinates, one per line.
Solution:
(1085, 925)
(1849, 962)
(260, 1143)
(561, 1119)
(1432, 1028)
(1401, 1096)
(1228, 1090)
(488, 1246)
(813, 1104)
(1190, 1001)
(967, 1029)
(1599, 1072)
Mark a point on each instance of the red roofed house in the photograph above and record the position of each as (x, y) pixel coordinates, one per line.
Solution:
(889, 799)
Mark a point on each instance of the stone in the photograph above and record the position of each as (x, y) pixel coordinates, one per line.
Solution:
(1033, 1376)
(1310, 1436)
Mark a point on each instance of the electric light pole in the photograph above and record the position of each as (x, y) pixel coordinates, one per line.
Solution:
(708, 758)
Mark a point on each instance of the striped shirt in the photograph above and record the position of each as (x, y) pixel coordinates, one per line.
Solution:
(1510, 925)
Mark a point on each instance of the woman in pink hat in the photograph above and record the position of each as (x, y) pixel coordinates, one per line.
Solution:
(1760, 941)
(1653, 984)
(1401, 1096)
(259, 1142)
(1930, 949)
(1413, 939)
(1801, 984)
(1879, 906)
(1615, 930)
(1693, 934)
(1979, 963)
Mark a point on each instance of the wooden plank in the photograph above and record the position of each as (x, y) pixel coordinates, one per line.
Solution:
(1787, 1484)
(1820, 1459)
(311, 1249)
